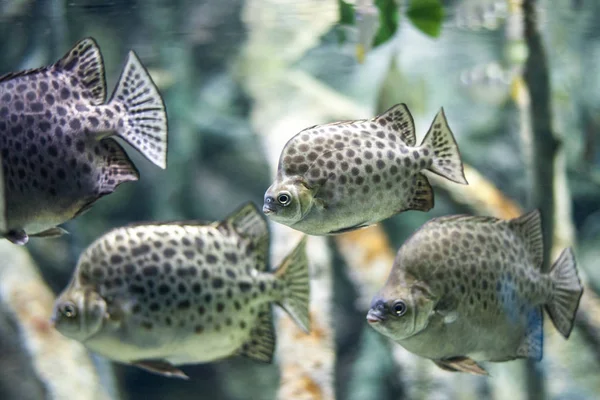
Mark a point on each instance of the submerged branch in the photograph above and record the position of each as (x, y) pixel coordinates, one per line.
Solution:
(63, 366)
(281, 109)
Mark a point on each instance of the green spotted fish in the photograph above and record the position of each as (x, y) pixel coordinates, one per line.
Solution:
(468, 289)
(162, 295)
(343, 176)
(56, 147)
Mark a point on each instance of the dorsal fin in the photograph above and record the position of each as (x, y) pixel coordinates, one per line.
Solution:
(529, 228)
(250, 223)
(398, 121)
(84, 62)
(12, 75)
(474, 219)
(190, 222)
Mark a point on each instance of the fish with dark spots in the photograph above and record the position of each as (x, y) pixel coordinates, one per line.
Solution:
(465, 306)
(143, 313)
(49, 111)
(364, 171)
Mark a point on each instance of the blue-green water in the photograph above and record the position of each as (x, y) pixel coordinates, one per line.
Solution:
(231, 71)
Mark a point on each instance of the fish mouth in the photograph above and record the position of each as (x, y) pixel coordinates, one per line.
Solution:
(374, 317)
(268, 209)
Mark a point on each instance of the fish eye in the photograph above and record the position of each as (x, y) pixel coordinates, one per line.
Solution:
(284, 198)
(68, 310)
(399, 308)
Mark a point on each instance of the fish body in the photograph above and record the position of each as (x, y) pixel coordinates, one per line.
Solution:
(466, 289)
(57, 153)
(161, 295)
(343, 176)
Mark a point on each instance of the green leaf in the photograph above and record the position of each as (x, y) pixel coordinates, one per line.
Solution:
(427, 16)
(346, 13)
(388, 20)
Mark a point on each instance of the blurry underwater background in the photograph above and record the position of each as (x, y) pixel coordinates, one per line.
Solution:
(520, 85)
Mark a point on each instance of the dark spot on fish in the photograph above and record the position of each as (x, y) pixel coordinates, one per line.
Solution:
(181, 288)
(129, 268)
(208, 298)
(211, 258)
(168, 252)
(183, 305)
(150, 270)
(217, 283)
(196, 288)
(163, 289)
(137, 289)
(244, 286)
(116, 259)
(53, 151)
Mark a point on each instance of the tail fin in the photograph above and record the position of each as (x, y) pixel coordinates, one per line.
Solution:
(145, 126)
(567, 292)
(293, 273)
(446, 156)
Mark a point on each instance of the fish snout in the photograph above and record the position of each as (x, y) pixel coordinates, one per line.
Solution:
(269, 205)
(375, 315)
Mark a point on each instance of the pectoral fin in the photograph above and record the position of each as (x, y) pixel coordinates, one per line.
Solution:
(350, 228)
(51, 233)
(461, 364)
(161, 367)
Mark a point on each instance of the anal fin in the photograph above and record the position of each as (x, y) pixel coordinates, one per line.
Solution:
(50, 233)
(532, 345)
(261, 344)
(161, 367)
(119, 168)
(421, 198)
(461, 364)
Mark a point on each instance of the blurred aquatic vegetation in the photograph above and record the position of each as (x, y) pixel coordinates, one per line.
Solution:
(376, 21)
(241, 77)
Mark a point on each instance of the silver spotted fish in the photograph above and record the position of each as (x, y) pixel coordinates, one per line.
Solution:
(343, 176)
(466, 289)
(161, 295)
(57, 154)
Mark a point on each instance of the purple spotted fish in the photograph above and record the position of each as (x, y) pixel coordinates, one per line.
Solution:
(343, 176)
(57, 154)
(467, 289)
(162, 295)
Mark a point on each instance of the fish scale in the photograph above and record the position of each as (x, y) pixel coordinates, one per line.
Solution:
(183, 292)
(347, 175)
(57, 158)
(465, 289)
